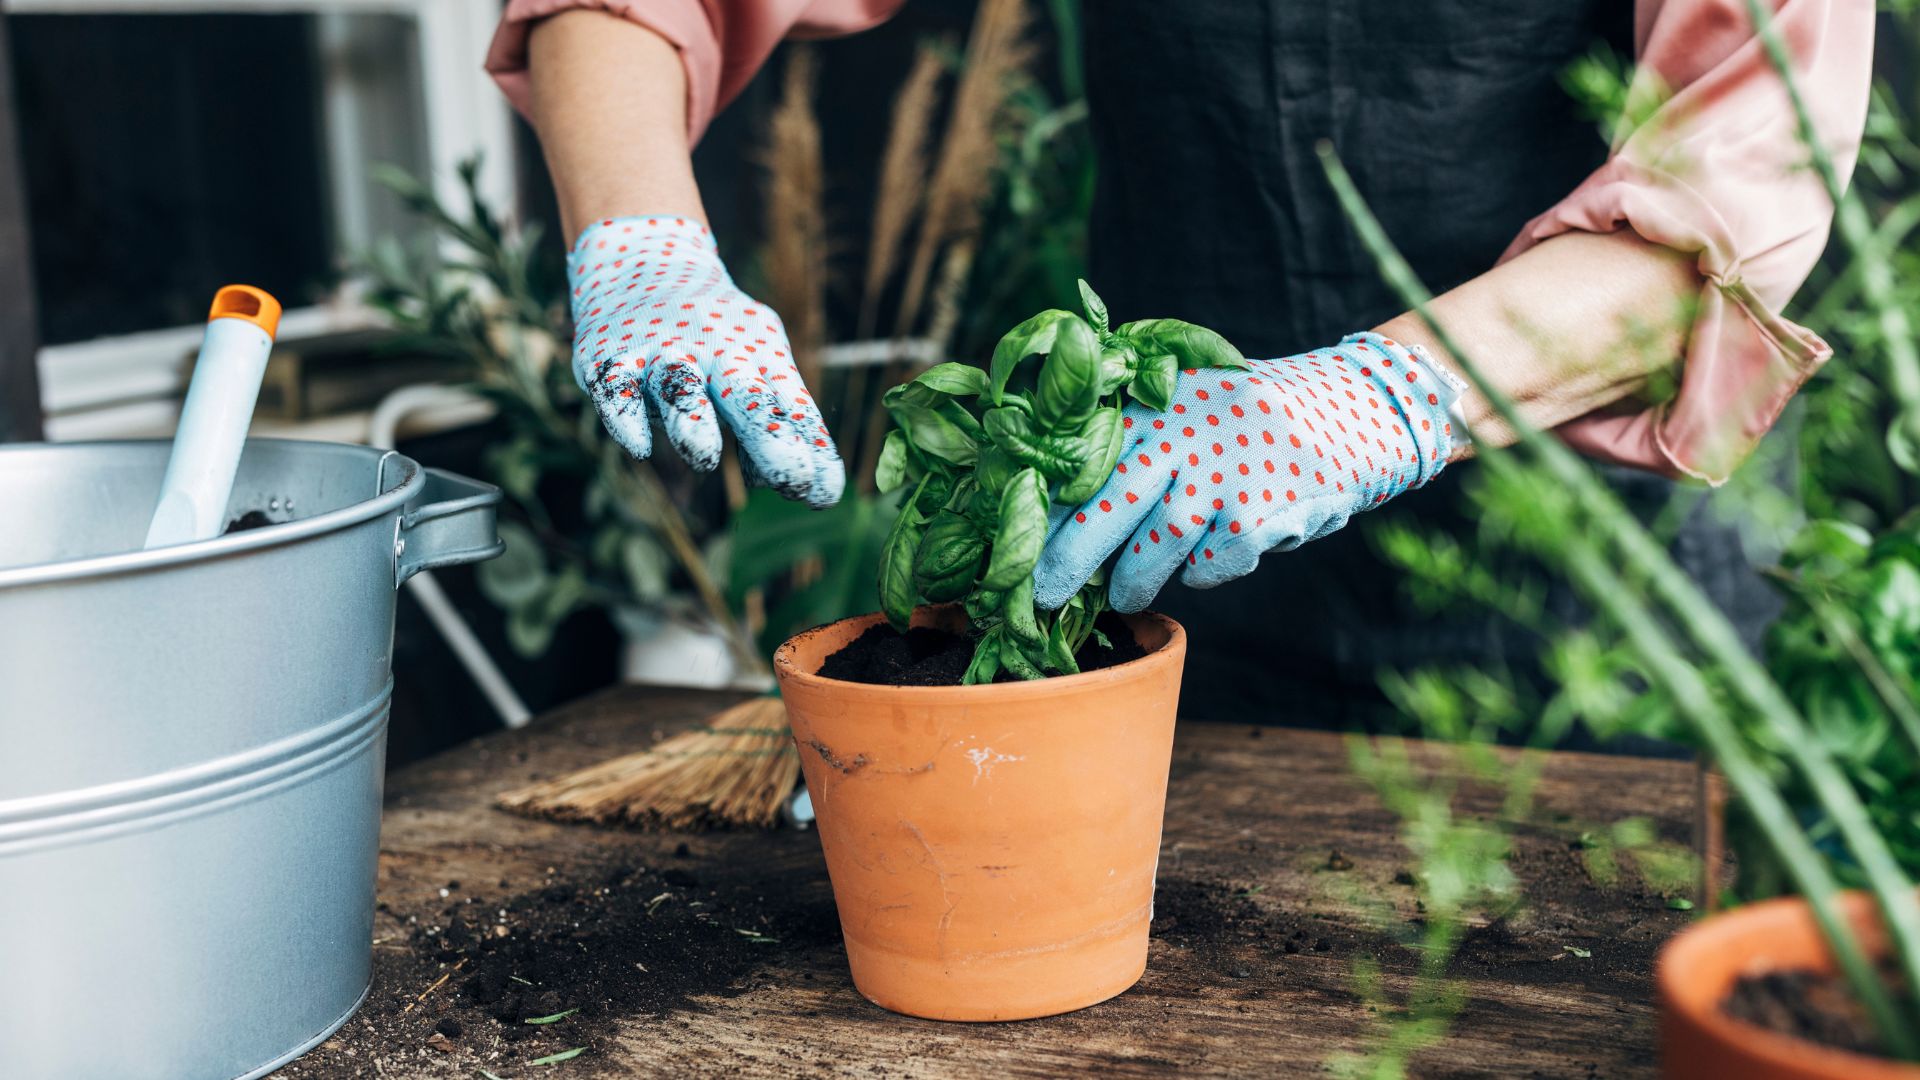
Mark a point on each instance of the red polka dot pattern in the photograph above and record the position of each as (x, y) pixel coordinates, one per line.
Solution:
(1294, 447)
(662, 332)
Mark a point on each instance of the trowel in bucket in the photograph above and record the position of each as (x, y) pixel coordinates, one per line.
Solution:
(215, 416)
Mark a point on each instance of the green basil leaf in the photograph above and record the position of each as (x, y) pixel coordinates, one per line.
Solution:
(986, 660)
(933, 494)
(1022, 531)
(1014, 659)
(1060, 650)
(897, 592)
(959, 415)
(951, 543)
(1069, 386)
(982, 604)
(1007, 423)
(996, 468)
(1153, 384)
(1118, 362)
(1035, 335)
(1058, 456)
(1096, 307)
(896, 466)
(1193, 346)
(960, 380)
(933, 432)
(984, 510)
(1106, 433)
(917, 394)
(1019, 612)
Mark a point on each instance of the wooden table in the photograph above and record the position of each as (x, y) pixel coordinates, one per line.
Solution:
(720, 953)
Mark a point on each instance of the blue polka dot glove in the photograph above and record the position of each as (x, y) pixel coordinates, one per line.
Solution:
(1246, 462)
(660, 329)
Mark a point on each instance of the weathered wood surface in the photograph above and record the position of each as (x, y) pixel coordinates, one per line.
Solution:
(1250, 972)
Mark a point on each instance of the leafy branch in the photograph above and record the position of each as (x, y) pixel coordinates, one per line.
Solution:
(985, 454)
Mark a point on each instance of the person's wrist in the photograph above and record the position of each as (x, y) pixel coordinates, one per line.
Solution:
(637, 239)
(1424, 393)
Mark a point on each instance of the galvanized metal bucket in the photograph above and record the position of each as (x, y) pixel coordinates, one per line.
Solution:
(191, 749)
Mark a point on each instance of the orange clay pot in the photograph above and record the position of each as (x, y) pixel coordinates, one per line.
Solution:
(1698, 968)
(992, 848)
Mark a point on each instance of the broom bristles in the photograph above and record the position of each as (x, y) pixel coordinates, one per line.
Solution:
(734, 771)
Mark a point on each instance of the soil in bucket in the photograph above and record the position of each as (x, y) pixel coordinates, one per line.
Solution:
(929, 656)
(1812, 1005)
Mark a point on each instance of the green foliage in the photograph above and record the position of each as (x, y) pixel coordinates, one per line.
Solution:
(770, 534)
(1792, 736)
(1033, 236)
(983, 456)
(590, 528)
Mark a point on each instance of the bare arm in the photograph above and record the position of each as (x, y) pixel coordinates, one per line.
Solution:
(619, 152)
(1573, 325)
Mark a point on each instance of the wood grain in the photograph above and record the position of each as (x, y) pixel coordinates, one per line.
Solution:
(1257, 925)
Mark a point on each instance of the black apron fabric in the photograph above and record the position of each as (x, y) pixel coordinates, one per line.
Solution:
(1212, 206)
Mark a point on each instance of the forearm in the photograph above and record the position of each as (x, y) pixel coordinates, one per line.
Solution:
(1573, 325)
(609, 100)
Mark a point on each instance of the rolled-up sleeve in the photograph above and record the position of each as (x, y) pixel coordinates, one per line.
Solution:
(721, 42)
(1719, 170)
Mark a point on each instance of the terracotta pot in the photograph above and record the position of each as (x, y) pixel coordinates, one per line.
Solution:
(992, 848)
(1698, 968)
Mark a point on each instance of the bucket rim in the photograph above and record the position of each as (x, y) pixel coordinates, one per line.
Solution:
(389, 501)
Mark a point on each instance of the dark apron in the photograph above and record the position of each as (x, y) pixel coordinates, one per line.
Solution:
(1212, 207)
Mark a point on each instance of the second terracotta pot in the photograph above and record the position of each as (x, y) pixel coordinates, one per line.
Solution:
(1698, 968)
(992, 848)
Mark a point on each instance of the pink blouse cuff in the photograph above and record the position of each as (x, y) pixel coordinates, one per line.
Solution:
(722, 43)
(1719, 172)
(684, 23)
(1743, 360)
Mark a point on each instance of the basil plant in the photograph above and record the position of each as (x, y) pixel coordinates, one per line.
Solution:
(984, 454)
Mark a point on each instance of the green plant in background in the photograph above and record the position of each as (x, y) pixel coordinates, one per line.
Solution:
(986, 453)
(1033, 238)
(1820, 742)
(595, 528)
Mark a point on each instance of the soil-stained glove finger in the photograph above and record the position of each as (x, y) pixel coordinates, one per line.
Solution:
(619, 396)
(678, 389)
(1082, 542)
(781, 450)
(1175, 530)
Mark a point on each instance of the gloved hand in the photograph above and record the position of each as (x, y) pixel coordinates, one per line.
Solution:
(659, 323)
(1243, 462)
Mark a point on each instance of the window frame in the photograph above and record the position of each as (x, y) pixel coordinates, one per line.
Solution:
(463, 114)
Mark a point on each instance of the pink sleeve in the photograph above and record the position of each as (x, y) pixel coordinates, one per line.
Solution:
(722, 42)
(1719, 170)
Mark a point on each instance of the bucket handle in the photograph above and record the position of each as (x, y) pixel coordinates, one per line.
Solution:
(451, 521)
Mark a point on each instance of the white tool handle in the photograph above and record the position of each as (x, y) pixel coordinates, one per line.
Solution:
(215, 417)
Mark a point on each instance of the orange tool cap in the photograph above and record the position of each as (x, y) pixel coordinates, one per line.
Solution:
(256, 306)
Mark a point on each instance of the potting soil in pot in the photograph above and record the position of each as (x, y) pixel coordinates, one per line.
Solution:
(1811, 1005)
(926, 656)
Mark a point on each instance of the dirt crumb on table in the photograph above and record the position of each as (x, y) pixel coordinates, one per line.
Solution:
(506, 980)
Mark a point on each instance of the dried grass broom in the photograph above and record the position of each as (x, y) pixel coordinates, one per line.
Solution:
(734, 771)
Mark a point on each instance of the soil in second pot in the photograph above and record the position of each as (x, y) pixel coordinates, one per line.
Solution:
(926, 656)
(1811, 1005)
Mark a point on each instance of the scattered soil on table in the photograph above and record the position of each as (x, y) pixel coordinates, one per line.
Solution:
(611, 941)
(1812, 1005)
(925, 656)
